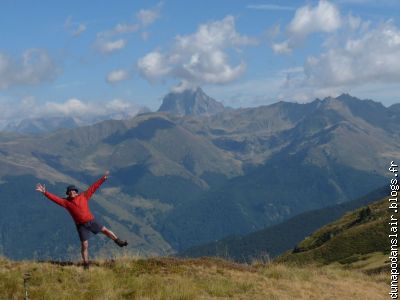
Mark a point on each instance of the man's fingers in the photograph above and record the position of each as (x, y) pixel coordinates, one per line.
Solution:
(40, 187)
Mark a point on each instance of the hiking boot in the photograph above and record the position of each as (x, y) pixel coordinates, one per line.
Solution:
(86, 266)
(121, 243)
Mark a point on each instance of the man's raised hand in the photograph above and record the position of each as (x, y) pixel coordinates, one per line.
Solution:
(106, 174)
(41, 188)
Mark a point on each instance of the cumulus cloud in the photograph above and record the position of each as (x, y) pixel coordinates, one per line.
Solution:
(325, 17)
(117, 75)
(358, 56)
(154, 65)
(370, 57)
(198, 58)
(35, 66)
(361, 57)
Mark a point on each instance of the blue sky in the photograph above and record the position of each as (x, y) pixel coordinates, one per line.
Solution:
(93, 57)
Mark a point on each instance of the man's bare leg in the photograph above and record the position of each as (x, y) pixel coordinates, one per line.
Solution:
(85, 252)
(111, 235)
(108, 233)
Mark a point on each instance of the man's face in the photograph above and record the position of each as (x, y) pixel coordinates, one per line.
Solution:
(72, 194)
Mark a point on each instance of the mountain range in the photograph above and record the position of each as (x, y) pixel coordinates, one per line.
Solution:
(46, 124)
(185, 177)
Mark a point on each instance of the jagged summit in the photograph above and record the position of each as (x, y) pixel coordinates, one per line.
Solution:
(190, 102)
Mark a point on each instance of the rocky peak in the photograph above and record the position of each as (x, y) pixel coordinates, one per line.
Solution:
(190, 102)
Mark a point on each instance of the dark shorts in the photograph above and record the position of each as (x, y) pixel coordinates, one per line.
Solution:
(85, 230)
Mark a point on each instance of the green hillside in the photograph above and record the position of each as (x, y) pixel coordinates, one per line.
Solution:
(359, 240)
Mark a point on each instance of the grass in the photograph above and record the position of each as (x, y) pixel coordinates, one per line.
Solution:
(359, 240)
(171, 278)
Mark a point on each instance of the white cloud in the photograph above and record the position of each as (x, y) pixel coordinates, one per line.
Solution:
(154, 66)
(120, 28)
(108, 47)
(359, 58)
(200, 57)
(11, 109)
(88, 111)
(282, 48)
(371, 57)
(84, 112)
(144, 18)
(353, 22)
(325, 17)
(117, 75)
(35, 66)
(183, 86)
(69, 108)
(356, 55)
(148, 16)
(118, 105)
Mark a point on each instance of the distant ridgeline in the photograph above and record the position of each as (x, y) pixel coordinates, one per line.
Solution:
(194, 172)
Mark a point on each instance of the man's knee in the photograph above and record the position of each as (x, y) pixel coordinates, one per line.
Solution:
(104, 229)
(85, 245)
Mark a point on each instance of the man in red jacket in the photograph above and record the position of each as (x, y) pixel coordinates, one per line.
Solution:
(78, 207)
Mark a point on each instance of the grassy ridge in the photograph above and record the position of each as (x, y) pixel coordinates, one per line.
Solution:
(170, 278)
(354, 240)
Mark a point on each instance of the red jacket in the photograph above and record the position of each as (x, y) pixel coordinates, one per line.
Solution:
(78, 207)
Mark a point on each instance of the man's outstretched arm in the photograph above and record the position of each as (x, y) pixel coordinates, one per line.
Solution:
(90, 191)
(42, 188)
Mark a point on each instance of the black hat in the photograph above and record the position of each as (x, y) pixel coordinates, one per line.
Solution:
(71, 188)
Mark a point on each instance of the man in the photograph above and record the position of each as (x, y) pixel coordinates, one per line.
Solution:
(78, 207)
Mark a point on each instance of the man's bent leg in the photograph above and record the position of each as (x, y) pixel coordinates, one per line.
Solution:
(108, 233)
(112, 236)
(85, 252)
